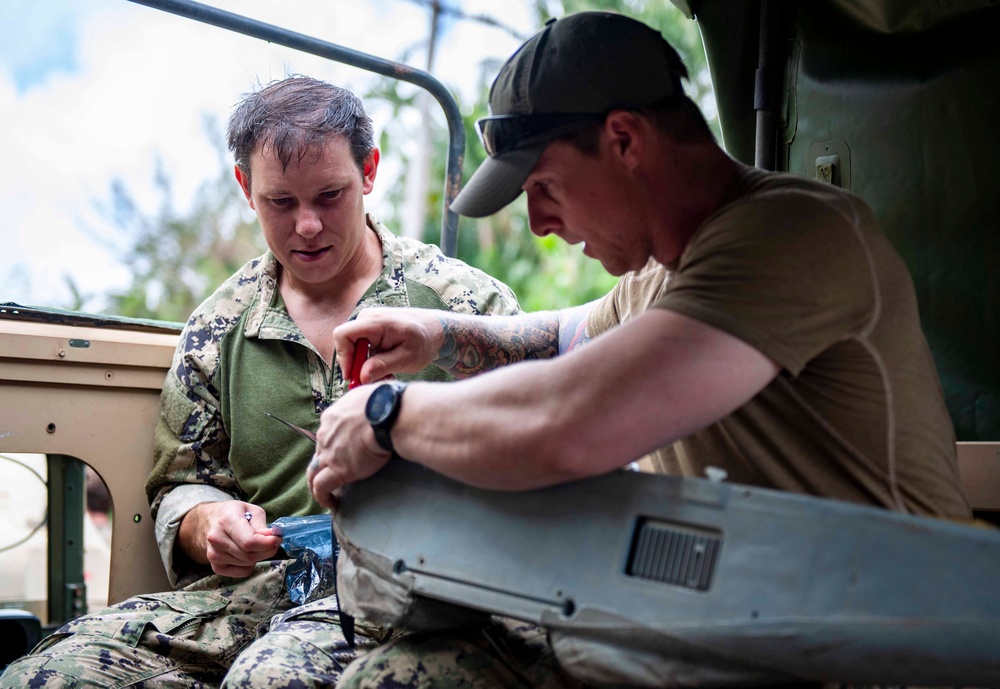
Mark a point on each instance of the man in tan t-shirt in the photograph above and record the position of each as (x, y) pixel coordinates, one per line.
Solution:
(763, 324)
(767, 326)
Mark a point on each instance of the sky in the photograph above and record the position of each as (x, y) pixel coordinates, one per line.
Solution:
(94, 90)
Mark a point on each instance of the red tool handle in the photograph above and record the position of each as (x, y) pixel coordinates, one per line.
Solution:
(361, 348)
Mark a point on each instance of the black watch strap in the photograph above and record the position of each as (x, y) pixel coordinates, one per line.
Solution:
(383, 409)
(382, 437)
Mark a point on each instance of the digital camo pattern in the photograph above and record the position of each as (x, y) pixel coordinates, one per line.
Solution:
(180, 638)
(304, 647)
(462, 288)
(192, 445)
(503, 655)
(243, 633)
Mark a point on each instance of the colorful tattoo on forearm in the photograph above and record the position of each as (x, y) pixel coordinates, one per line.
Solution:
(474, 346)
(573, 331)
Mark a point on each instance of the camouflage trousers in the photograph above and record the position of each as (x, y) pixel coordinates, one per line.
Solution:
(216, 632)
(506, 654)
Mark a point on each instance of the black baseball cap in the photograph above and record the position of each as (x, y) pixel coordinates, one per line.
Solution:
(572, 72)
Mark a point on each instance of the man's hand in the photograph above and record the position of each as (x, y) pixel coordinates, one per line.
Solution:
(346, 450)
(403, 341)
(219, 534)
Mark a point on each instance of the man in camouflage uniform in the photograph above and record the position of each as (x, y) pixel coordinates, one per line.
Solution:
(305, 158)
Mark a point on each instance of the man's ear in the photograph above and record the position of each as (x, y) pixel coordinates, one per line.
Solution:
(368, 171)
(244, 180)
(626, 136)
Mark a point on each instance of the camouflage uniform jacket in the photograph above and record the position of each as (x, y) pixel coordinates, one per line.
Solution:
(241, 355)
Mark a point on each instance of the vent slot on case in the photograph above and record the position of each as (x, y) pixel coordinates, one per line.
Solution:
(675, 554)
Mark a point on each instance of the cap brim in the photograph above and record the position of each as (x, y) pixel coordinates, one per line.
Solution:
(497, 182)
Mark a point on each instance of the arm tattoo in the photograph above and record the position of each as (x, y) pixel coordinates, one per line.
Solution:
(573, 328)
(472, 346)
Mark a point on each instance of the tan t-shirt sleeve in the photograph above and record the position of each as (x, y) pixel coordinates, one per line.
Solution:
(634, 293)
(775, 273)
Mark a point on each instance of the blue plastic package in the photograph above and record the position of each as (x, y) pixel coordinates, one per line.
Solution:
(308, 541)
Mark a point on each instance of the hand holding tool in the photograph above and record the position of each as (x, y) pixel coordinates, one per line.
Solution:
(361, 349)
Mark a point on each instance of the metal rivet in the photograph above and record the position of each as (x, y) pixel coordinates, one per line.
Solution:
(61, 353)
(108, 375)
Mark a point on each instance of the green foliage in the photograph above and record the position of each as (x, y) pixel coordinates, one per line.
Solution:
(178, 258)
(544, 272)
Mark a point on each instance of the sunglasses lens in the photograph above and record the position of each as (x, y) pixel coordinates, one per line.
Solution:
(487, 133)
(502, 133)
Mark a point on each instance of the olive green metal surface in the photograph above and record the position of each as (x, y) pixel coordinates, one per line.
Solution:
(897, 101)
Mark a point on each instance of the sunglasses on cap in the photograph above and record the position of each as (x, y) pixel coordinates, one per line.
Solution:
(502, 133)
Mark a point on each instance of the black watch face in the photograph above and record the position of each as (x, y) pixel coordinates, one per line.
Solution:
(380, 404)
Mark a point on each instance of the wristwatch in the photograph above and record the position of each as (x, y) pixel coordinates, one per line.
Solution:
(382, 409)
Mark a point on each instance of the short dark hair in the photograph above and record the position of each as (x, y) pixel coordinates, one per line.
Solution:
(295, 115)
(677, 117)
